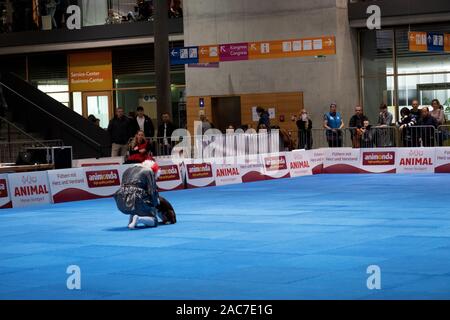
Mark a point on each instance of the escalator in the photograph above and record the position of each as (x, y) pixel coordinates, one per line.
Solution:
(37, 112)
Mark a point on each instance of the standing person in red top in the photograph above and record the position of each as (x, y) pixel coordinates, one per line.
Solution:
(138, 149)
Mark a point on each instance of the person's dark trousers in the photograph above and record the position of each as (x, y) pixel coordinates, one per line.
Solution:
(305, 140)
(427, 136)
(440, 138)
(415, 133)
(334, 139)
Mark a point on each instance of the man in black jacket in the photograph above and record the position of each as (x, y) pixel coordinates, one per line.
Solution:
(357, 122)
(144, 123)
(165, 131)
(120, 131)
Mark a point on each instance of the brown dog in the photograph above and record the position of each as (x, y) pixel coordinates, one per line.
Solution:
(167, 211)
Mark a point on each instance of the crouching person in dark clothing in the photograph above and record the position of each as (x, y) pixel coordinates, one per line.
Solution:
(138, 197)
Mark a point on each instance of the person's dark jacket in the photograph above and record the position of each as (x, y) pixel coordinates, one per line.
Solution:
(170, 129)
(356, 122)
(120, 130)
(264, 119)
(416, 114)
(301, 125)
(428, 121)
(138, 194)
(149, 129)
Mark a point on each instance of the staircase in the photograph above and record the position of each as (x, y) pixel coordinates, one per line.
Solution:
(14, 139)
(38, 117)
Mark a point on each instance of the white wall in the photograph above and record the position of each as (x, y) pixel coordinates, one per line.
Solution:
(323, 80)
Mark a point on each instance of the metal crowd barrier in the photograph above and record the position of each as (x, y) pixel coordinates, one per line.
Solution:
(9, 151)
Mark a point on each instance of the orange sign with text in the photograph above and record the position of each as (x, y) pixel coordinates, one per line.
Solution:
(292, 48)
(418, 41)
(90, 71)
(208, 54)
(447, 42)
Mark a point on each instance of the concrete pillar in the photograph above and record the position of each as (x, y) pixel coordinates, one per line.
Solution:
(162, 63)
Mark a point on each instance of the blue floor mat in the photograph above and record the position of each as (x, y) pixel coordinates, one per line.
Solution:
(303, 238)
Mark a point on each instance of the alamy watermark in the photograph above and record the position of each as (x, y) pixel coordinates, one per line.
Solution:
(74, 280)
(374, 280)
(234, 147)
(374, 20)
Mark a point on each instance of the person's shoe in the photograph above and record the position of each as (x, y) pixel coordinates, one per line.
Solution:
(133, 222)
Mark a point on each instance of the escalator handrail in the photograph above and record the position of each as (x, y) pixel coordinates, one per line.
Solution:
(21, 131)
(52, 116)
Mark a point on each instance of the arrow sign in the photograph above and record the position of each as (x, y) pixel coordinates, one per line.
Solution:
(435, 42)
(184, 55)
(234, 52)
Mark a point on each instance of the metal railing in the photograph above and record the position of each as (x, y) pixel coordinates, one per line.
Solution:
(263, 142)
(9, 151)
(14, 140)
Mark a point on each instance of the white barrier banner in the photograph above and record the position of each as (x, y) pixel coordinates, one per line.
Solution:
(199, 174)
(251, 168)
(275, 165)
(299, 163)
(381, 160)
(442, 164)
(227, 173)
(29, 189)
(171, 176)
(85, 183)
(415, 160)
(316, 160)
(69, 185)
(342, 160)
(5, 198)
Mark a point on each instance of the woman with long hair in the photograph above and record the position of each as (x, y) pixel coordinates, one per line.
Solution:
(138, 149)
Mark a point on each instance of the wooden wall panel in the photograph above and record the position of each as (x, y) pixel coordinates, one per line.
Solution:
(286, 104)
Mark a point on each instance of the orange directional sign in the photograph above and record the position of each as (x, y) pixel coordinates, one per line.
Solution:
(447, 42)
(418, 41)
(208, 54)
(292, 48)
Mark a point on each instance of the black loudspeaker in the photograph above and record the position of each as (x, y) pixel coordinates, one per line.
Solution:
(24, 158)
(60, 157)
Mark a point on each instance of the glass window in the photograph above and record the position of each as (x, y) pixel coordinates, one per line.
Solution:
(420, 62)
(59, 92)
(77, 102)
(378, 90)
(376, 52)
(130, 99)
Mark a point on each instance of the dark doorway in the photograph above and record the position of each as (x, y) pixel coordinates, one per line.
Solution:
(226, 111)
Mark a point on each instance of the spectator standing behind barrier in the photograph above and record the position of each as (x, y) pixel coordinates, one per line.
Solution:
(334, 123)
(439, 115)
(404, 124)
(415, 132)
(304, 126)
(143, 122)
(120, 131)
(357, 122)
(415, 111)
(428, 125)
(383, 135)
(165, 131)
(206, 125)
(264, 118)
(366, 134)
